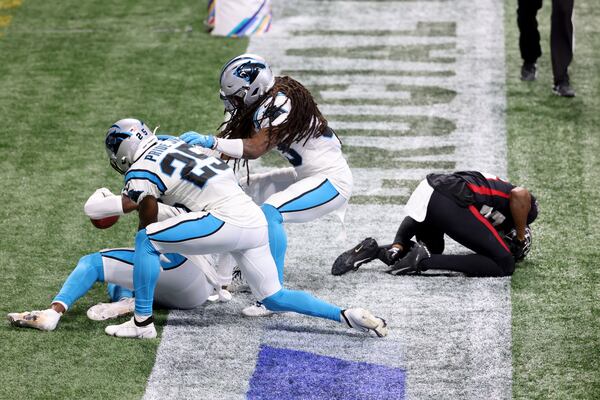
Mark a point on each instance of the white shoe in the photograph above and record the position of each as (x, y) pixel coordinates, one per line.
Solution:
(238, 283)
(363, 320)
(130, 330)
(222, 296)
(257, 309)
(45, 320)
(104, 311)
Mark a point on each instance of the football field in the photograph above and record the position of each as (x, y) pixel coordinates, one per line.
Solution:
(411, 87)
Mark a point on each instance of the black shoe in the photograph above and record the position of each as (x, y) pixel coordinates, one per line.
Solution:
(409, 264)
(389, 255)
(528, 72)
(365, 251)
(563, 90)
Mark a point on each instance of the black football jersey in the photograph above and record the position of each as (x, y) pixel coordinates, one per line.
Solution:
(488, 193)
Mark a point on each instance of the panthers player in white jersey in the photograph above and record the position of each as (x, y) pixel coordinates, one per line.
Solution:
(182, 284)
(278, 112)
(221, 219)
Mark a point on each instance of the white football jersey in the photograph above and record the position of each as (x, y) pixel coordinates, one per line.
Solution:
(321, 155)
(183, 176)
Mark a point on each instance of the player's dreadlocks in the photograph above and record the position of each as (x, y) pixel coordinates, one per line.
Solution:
(303, 123)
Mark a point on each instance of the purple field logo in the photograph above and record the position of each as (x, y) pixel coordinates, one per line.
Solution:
(292, 374)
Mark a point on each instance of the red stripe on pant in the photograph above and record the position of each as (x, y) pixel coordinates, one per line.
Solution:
(487, 224)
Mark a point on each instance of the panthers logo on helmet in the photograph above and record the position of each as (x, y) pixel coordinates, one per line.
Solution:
(249, 71)
(244, 79)
(114, 138)
(123, 139)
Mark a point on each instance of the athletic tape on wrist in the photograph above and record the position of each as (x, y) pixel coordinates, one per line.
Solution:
(101, 207)
(231, 147)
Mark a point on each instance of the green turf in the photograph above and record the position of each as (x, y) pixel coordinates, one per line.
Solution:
(553, 146)
(416, 125)
(69, 70)
(419, 95)
(422, 29)
(419, 53)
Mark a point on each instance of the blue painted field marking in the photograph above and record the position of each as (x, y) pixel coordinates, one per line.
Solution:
(292, 374)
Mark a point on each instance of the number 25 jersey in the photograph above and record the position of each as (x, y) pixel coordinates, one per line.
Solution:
(183, 176)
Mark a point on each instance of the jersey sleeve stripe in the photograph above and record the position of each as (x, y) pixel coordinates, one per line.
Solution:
(188, 230)
(322, 194)
(126, 256)
(146, 175)
(487, 191)
(175, 261)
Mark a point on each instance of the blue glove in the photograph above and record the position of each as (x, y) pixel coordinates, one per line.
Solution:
(165, 137)
(198, 139)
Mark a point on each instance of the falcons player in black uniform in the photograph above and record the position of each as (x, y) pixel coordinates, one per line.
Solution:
(480, 211)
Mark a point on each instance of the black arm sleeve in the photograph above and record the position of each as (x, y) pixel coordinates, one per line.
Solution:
(406, 231)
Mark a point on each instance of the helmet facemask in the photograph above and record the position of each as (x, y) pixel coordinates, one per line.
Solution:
(113, 142)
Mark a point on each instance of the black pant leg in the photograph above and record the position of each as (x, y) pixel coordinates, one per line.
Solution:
(468, 227)
(529, 36)
(561, 39)
(468, 264)
(432, 237)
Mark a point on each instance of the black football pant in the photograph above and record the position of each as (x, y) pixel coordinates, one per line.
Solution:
(529, 37)
(469, 228)
(561, 39)
(561, 35)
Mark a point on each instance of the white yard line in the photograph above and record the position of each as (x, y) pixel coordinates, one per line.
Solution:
(452, 335)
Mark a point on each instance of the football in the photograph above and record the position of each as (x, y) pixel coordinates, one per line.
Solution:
(104, 223)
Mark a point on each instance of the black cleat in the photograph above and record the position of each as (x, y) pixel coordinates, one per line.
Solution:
(409, 264)
(528, 72)
(365, 251)
(563, 89)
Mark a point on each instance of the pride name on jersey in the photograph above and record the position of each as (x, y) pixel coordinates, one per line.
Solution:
(183, 175)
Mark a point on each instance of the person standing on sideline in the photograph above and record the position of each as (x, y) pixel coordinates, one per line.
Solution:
(561, 42)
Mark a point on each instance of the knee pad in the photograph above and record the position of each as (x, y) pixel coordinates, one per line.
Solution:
(271, 213)
(93, 262)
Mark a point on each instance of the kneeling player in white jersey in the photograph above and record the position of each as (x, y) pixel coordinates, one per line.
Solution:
(181, 284)
(221, 219)
(278, 112)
